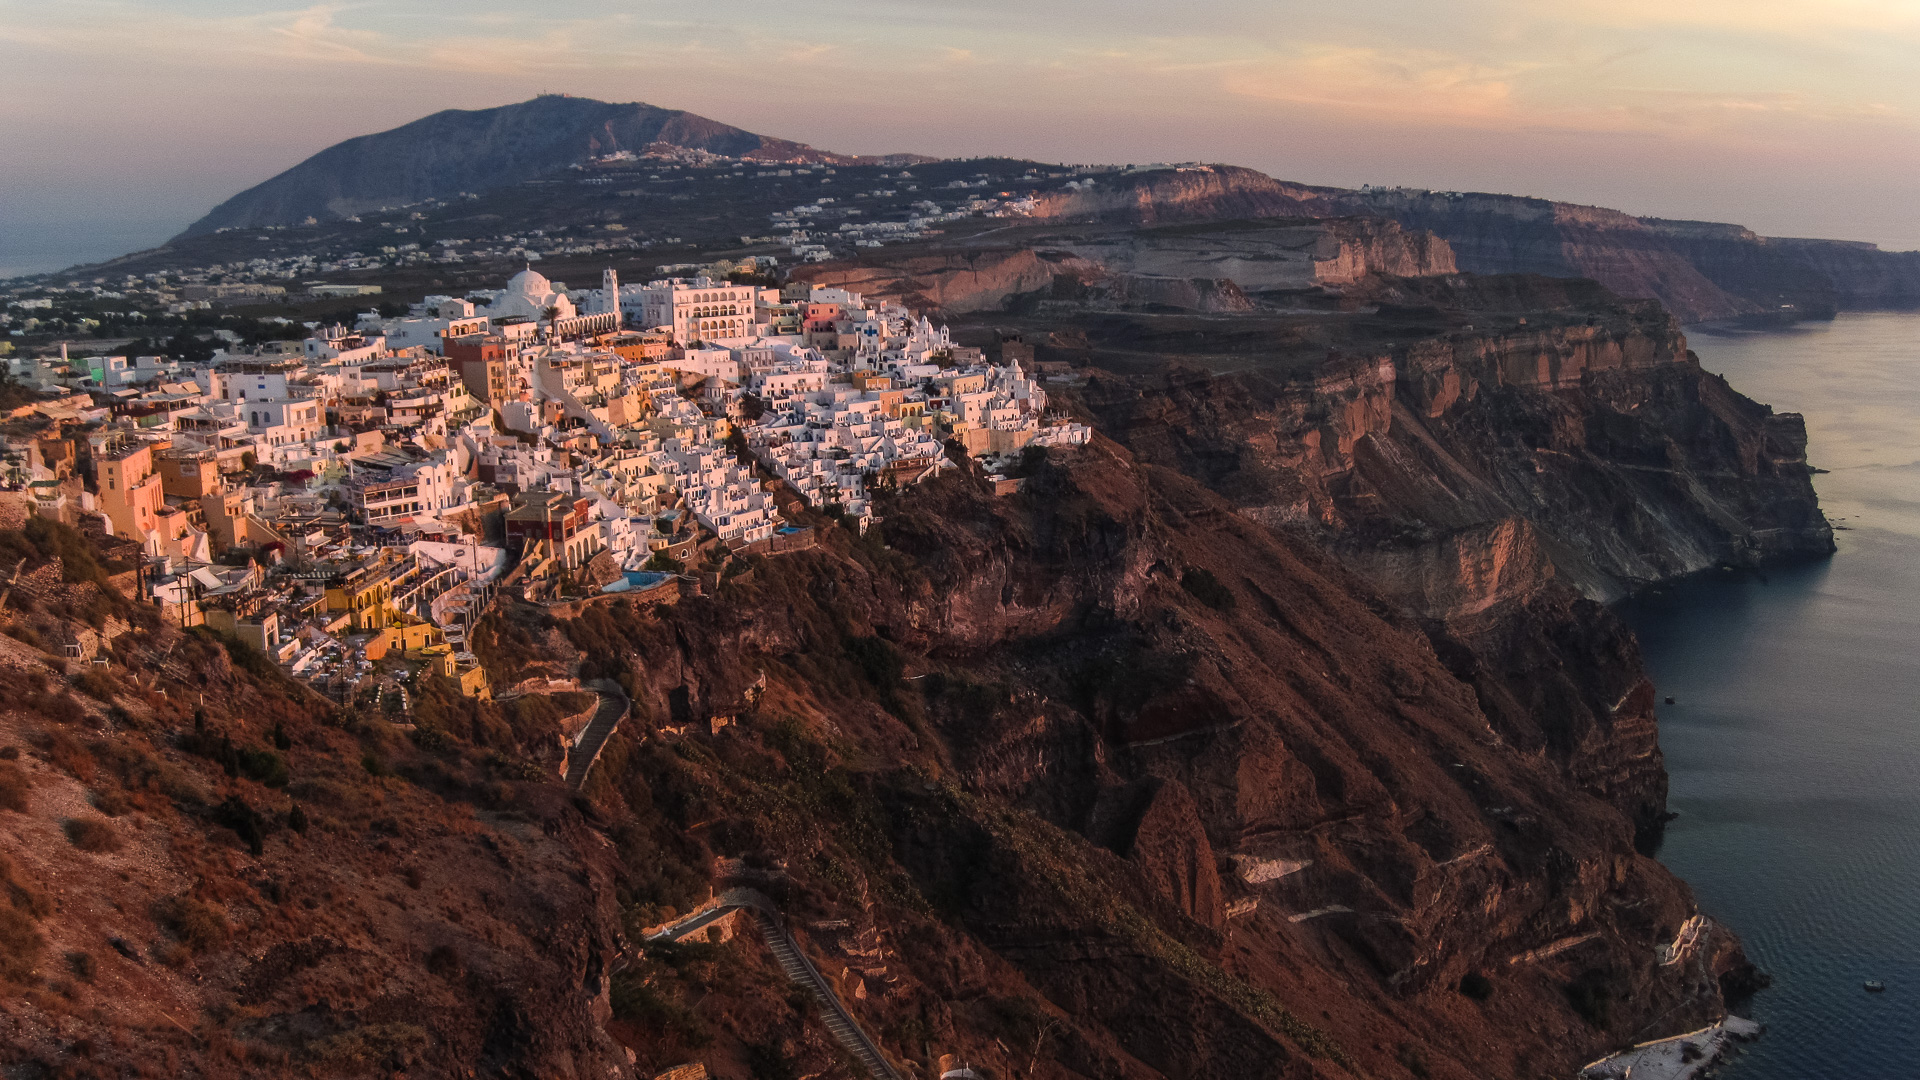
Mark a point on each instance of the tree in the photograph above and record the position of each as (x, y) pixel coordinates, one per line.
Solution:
(189, 348)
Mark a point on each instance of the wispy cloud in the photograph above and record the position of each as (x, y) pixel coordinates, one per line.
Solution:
(1459, 94)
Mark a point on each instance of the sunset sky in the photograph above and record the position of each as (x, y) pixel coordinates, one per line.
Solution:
(123, 120)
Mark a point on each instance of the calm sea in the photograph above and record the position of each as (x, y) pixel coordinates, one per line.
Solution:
(1794, 743)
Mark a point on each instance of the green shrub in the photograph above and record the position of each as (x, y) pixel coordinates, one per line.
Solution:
(40, 539)
(245, 822)
(21, 905)
(1592, 998)
(264, 766)
(183, 787)
(444, 961)
(96, 684)
(1208, 589)
(61, 708)
(766, 1061)
(648, 1007)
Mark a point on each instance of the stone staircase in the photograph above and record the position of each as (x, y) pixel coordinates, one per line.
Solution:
(786, 952)
(839, 1022)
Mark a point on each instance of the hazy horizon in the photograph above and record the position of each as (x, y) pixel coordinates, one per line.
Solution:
(127, 122)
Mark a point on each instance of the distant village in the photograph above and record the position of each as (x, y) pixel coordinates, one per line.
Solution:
(372, 489)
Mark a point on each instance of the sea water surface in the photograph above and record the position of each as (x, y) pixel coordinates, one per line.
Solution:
(1794, 741)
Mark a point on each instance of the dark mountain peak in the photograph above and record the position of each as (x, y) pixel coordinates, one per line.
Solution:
(474, 150)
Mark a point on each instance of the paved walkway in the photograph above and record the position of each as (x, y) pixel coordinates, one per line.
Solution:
(1682, 1057)
(593, 738)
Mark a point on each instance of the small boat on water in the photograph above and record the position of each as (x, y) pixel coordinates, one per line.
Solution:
(1875, 986)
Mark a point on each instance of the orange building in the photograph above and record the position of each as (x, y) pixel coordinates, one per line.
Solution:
(130, 491)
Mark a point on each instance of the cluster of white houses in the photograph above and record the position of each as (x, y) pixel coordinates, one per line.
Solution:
(534, 437)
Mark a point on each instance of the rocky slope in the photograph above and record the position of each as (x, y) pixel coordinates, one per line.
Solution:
(206, 871)
(1177, 786)
(477, 150)
(1276, 733)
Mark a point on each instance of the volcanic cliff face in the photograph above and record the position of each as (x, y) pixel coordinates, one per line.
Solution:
(1200, 193)
(1812, 278)
(1495, 234)
(1238, 744)
(1176, 787)
(1595, 435)
(1277, 732)
(1494, 483)
(1699, 270)
(1268, 255)
(1197, 267)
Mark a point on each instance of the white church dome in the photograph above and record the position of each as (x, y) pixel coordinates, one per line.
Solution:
(529, 282)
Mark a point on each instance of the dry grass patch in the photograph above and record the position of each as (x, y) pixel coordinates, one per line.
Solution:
(198, 926)
(92, 834)
(21, 905)
(14, 785)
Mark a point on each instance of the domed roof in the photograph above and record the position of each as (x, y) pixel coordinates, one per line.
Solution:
(529, 282)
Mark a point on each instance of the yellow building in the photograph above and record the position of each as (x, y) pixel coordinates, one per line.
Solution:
(189, 475)
(130, 491)
(366, 594)
(464, 673)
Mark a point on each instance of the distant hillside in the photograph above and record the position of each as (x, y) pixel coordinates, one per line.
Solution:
(1699, 270)
(475, 150)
